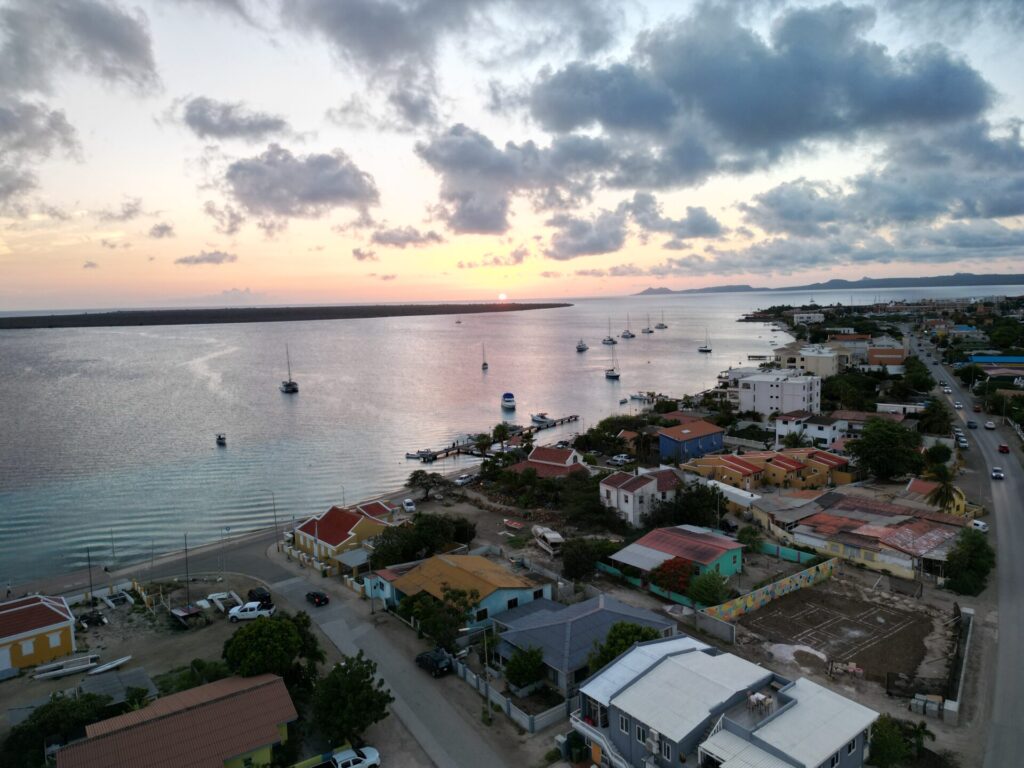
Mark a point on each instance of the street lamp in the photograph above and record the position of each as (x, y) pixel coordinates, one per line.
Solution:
(273, 500)
(470, 629)
(223, 554)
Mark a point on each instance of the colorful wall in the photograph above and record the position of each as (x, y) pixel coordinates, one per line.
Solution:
(733, 609)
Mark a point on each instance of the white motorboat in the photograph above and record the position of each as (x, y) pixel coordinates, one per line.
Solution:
(289, 387)
(582, 346)
(508, 401)
(540, 418)
(222, 439)
(706, 346)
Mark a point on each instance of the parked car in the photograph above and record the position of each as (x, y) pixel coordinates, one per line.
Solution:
(251, 610)
(409, 505)
(260, 595)
(997, 473)
(619, 460)
(317, 598)
(977, 408)
(979, 525)
(962, 444)
(364, 757)
(728, 526)
(464, 479)
(972, 424)
(958, 405)
(436, 662)
(990, 425)
(1004, 448)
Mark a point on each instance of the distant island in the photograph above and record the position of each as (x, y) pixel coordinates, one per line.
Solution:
(935, 281)
(253, 315)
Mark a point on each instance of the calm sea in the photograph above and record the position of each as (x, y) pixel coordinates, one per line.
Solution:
(107, 434)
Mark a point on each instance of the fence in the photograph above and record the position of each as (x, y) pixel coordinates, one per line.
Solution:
(787, 553)
(733, 609)
(529, 723)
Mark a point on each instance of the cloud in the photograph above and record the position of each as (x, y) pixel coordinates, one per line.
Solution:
(130, 209)
(231, 7)
(604, 233)
(90, 265)
(15, 183)
(240, 296)
(360, 254)
(401, 237)
(161, 230)
(29, 132)
(114, 244)
(227, 220)
(512, 259)
(279, 185)
(550, 274)
(81, 36)
(211, 119)
(646, 212)
(207, 257)
(383, 277)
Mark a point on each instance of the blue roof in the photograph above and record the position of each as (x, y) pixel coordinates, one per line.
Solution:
(964, 328)
(998, 359)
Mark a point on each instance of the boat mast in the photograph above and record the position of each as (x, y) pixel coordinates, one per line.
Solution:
(288, 357)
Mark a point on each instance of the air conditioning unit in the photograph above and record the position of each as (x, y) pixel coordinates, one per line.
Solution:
(651, 745)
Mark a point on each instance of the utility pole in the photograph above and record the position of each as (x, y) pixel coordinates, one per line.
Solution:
(188, 597)
(88, 559)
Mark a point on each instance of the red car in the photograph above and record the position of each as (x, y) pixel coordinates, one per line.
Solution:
(1004, 448)
(977, 409)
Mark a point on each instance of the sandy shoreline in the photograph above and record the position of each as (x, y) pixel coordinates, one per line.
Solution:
(255, 314)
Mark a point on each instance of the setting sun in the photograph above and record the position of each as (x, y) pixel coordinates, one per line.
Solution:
(502, 297)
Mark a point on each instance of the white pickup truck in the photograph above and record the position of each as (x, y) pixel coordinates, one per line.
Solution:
(250, 611)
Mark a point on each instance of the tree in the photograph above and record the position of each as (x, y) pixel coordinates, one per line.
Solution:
(427, 481)
(795, 440)
(463, 529)
(673, 575)
(283, 645)
(750, 537)
(944, 493)
(61, 717)
(915, 734)
(888, 749)
(349, 699)
(971, 373)
(501, 433)
(580, 556)
(483, 442)
(442, 619)
(937, 454)
(694, 504)
(425, 536)
(525, 667)
(887, 450)
(622, 636)
(969, 562)
(935, 419)
(709, 588)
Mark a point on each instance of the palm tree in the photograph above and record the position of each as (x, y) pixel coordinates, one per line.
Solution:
(483, 441)
(795, 440)
(916, 734)
(501, 432)
(944, 493)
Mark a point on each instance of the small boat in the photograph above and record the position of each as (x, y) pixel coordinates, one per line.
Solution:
(613, 372)
(642, 396)
(512, 525)
(109, 666)
(222, 439)
(420, 454)
(289, 387)
(661, 326)
(458, 321)
(706, 346)
(508, 401)
(627, 334)
(483, 350)
(609, 339)
(582, 346)
(647, 328)
(540, 418)
(623, 400)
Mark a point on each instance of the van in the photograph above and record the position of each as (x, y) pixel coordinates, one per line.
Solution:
(979, 525)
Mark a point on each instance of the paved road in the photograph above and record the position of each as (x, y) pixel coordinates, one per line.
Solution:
(439, 727)
(1006, 734)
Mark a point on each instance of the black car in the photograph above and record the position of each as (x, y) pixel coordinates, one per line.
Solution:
(436, 662)
(317, 598)
(972, 424)
(260, 595)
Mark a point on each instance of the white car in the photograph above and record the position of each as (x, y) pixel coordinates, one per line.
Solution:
(464, 479)
(958, 405)
(367, 757)
(947, 391)
(619, 460)
(998, 474)
(409, 505)
(250, 611)
(990, 425)
(979, 525)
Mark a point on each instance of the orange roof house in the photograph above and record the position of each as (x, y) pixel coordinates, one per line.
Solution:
(335, 531)
(551, 462)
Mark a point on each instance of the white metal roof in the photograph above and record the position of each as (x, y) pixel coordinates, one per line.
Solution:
(677, 696)
(641, 556)
(821, 723)
(736, 752)
(633, 663)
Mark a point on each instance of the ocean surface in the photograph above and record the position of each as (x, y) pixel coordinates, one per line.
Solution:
(107, 434)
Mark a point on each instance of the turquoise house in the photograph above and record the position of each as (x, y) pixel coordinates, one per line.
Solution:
(707, 550)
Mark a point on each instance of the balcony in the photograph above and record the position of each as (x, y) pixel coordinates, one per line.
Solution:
(598, 736)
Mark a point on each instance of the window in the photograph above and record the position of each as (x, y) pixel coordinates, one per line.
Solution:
(663, 495)
(538, 594)
(54, 639)
(851, 746)
(641, 499)
(626, 499)
(666, 749)
(513, 603)
(641, 733)
(481, 614)
(623, 723)
(608, 494)
(834, 761)
(27, 646)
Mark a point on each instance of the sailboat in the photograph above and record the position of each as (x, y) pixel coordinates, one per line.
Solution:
(289, 387)
(706, 346)
(483, 351)
(647, 328)
(613, 372)
(661, 326)
(458, 321)
(627, 334)
(609, 339)
(582, 346)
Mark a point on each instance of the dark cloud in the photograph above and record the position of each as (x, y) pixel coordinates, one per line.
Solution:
(29, 132)
(956, 17)
(14, 185)
(130, 209)
(84, 36)
(211, 119)
(363, 254)
(512, 259)
(646, 212)
(161, 230)
(604, 233)
(279, 185)
(402, 237)
(801, 207)
(90, 265)
(207, 257)
(227, 220)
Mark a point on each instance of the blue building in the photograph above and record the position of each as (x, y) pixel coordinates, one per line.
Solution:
(690, 440)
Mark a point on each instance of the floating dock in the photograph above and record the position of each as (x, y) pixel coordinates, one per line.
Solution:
(468, 447)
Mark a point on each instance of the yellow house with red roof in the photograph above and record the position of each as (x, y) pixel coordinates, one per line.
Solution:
(336, 531)
(35, 630)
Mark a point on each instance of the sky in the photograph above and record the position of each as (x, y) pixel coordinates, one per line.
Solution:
(237, 152)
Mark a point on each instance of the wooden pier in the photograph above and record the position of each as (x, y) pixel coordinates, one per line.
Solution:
(468, 447)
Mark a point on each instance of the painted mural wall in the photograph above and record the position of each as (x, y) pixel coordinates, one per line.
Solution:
(733, 609)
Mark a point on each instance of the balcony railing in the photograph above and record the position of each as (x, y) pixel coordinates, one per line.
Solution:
(595, 734)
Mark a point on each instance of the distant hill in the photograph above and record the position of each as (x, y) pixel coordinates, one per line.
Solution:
(934, 281)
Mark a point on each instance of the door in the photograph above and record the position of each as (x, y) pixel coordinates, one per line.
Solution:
(5, 657)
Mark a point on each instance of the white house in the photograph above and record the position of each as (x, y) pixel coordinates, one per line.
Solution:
(802, 318)
(633, 496)
(780, 392)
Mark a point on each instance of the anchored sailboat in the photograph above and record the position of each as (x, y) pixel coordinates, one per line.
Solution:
(613, 372)
(706, 346)
(290, 386)
(483, 351)
(661, 326)
(609, 339)
(647, 328)
(627, 334)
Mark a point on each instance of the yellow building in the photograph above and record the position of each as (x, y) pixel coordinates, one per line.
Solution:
(336, 531)
(234, 722)
(789, 468)
(35, 630)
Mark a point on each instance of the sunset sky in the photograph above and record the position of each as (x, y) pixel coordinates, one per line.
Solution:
(222, 152)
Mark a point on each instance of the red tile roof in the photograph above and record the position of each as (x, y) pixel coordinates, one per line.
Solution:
(375, 509)
(29, 614)
(667, 479)
(636, 483)
(545, 455)
(865, 415)
(199, 728)
(850, 336)
(736, 464)
(617, 479)
(691, 430)
(681, 416)
(333, 527)
(786, 462)
(703, 548)
(547, 470)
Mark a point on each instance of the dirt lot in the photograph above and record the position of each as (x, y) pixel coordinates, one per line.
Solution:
(838, 622)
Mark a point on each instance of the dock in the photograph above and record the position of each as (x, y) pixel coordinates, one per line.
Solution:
(760, 357)
(468, 447)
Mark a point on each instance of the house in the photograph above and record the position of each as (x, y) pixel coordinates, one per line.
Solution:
(678, 701)
(851, 346)
(232, 722)
(790, 423)
(693, 438)
(729, 469)
(813, 359)
(856, 420)
(567, 634)
(818, 430)
(327, 536)
(919, 490)
(551, 462)
(786, 468)
(887, 357)
(633, 496)
(628, 437)
(378, 511)
(780, 392)
(808, 318)
(35, 630)
(498, 589)
(708, 551)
